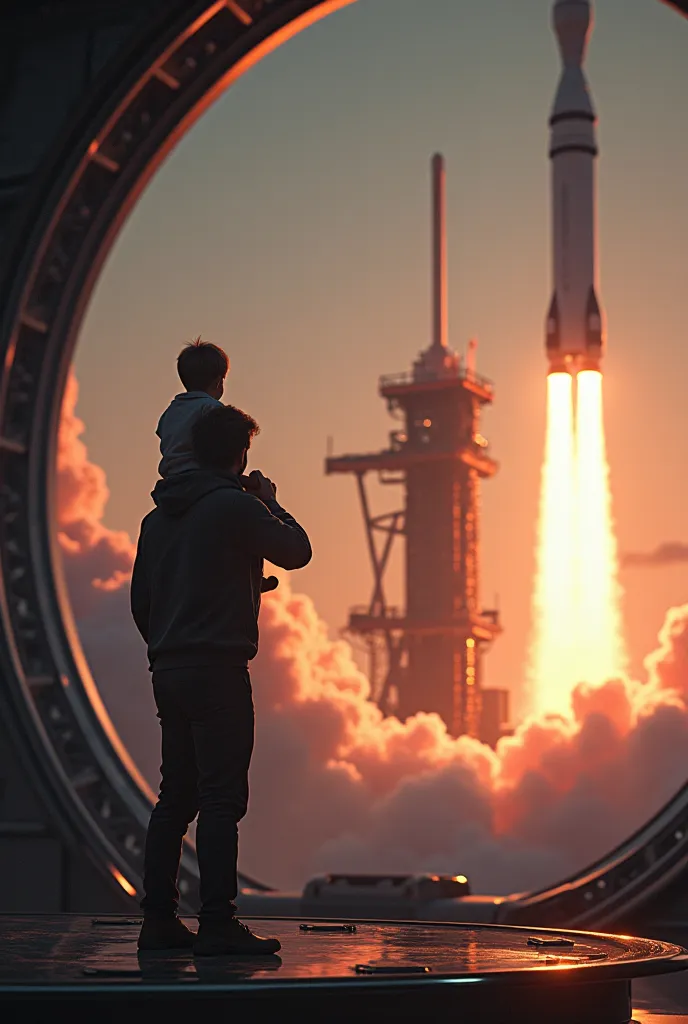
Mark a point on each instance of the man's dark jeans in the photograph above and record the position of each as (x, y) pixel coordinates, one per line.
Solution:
(207, 723)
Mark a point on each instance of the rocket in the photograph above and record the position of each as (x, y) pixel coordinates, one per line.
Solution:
(575, 330)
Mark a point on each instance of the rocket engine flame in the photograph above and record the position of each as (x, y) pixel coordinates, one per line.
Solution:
(552, 664)
(578, 633)
(601, 649)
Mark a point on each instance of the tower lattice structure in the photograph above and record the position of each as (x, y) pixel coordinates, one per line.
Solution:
(427, 656)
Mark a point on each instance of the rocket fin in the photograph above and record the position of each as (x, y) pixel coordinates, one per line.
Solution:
(594, 328)
(553, 331)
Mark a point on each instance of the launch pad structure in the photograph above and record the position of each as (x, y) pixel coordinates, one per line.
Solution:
(428, 657)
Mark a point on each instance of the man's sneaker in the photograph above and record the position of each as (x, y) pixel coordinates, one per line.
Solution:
(160, 933)
(227, 938)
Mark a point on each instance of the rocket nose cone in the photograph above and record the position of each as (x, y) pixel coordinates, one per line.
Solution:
(567, 7)
(572, 21)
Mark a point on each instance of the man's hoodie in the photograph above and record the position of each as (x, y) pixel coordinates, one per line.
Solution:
(174, 430)
(196, 584)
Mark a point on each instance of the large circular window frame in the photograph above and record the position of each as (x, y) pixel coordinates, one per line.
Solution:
(141, 108)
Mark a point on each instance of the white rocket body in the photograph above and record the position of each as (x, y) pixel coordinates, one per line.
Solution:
(575, 331)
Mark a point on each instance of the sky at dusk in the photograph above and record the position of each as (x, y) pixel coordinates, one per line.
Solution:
(291, 226)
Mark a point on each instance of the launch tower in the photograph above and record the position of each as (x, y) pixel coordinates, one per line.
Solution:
(427, 657)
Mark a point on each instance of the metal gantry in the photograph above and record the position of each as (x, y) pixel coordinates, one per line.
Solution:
(427, 657)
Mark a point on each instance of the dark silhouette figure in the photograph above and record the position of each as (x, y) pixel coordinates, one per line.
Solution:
(202, 369)
(195, 597)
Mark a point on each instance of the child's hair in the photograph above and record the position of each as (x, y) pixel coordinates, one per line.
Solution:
(201, 364)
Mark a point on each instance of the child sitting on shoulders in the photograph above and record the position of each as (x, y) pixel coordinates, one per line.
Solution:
(202, 369)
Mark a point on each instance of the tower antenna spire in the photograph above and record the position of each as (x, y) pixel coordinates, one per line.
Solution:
(440, 317)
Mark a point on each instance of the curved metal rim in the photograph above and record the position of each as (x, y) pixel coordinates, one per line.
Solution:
(139, 111)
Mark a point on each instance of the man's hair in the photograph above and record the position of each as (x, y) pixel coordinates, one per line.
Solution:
(220, 436)
(200, 364)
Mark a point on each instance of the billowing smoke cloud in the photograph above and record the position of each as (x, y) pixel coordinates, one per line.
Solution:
(670, 553)
(97, 563)
(334, 786)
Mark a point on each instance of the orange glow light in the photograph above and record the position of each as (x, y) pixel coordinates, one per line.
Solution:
(552, 670)
(126, 885)
(578, 634)
(601, 650)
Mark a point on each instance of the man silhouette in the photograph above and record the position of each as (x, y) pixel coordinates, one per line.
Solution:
(195, 598)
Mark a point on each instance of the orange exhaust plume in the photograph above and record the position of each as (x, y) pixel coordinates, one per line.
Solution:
(552, 673)
(601, 650)
(578, 635)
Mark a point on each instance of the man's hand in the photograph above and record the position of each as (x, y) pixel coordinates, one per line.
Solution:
(261, 486)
